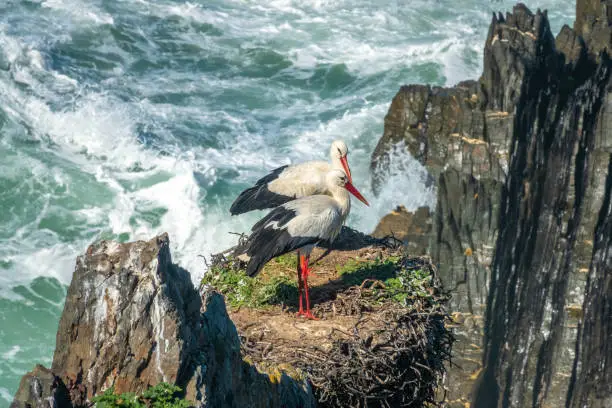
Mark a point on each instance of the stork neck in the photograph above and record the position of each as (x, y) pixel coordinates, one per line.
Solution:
(336, 163)
(341, 195)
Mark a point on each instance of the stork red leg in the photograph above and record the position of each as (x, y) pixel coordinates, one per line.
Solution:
(300, 284)
(305, 272)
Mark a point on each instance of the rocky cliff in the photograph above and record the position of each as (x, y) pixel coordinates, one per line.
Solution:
(522, 159)
(133, 319)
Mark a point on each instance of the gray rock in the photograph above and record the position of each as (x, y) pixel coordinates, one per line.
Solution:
(592, 376)
(571, 45)
(593, 24)
(40, 388)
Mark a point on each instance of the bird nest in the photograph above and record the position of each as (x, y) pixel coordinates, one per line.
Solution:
(381, 340)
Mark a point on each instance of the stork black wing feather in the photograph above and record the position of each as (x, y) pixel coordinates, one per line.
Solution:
(269, 241)
(259, 197)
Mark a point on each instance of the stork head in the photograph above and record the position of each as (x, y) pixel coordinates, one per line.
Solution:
(339, 153)
(338, 179)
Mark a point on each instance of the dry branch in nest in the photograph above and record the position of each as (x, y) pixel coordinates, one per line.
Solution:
(391, 354)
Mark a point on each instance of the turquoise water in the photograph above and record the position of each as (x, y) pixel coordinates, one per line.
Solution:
(123, 119)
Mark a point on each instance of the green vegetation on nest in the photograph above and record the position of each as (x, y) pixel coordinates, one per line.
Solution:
(355, 271)
(408, 285)
(289, 260)
(162, 395)
(395, 278)
(241, 290)
(391, 278)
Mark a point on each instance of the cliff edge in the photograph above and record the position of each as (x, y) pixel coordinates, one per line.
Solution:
(521, 230)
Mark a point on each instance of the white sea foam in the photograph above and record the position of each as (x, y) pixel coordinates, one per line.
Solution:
(5, 394)
(9, 355)
(80, 11)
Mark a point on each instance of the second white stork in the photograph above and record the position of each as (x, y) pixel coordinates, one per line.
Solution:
(287, 183)
(300, 225)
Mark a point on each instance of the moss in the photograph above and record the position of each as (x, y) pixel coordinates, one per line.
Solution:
(276, 371)
(241, 290)
(275, 376)
(292, 371)
(574, 311)
(355, 271)
(289, 260)
(162, 395)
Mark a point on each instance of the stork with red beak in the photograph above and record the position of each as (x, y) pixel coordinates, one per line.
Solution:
(300, 225)
(287, 183)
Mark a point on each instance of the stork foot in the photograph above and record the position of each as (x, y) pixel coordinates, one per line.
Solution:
(308, 315)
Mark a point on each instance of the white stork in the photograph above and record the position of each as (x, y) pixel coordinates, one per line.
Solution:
(287, 183)
(300, 225)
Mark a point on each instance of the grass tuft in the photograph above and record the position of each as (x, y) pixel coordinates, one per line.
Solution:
(394, 280)
(289, 260)
(241, 290)
(354, 271)
(162, 395)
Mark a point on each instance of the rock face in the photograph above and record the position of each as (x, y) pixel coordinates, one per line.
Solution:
(125, 324)
(40, 388)
(132, 319)
(412, 228)
(522, 158)
(591, 383)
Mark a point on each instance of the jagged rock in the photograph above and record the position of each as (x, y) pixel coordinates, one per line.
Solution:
(592, 380)
(126, 318)
(593, 25)
(133, 319)
(521, 158)
(40, 388)
(413, 228)
(546, 218)
(571, 45)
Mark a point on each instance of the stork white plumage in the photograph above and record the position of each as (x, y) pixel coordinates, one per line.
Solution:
(287, 183)
(300, 225)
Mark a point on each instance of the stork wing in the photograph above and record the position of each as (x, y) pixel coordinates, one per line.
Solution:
(292, 226)
(282, 185)
(259, 196)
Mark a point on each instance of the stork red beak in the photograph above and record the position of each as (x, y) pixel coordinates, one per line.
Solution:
(351, 188)
(347, 170)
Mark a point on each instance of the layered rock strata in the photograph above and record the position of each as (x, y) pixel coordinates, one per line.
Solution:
(522, 159)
